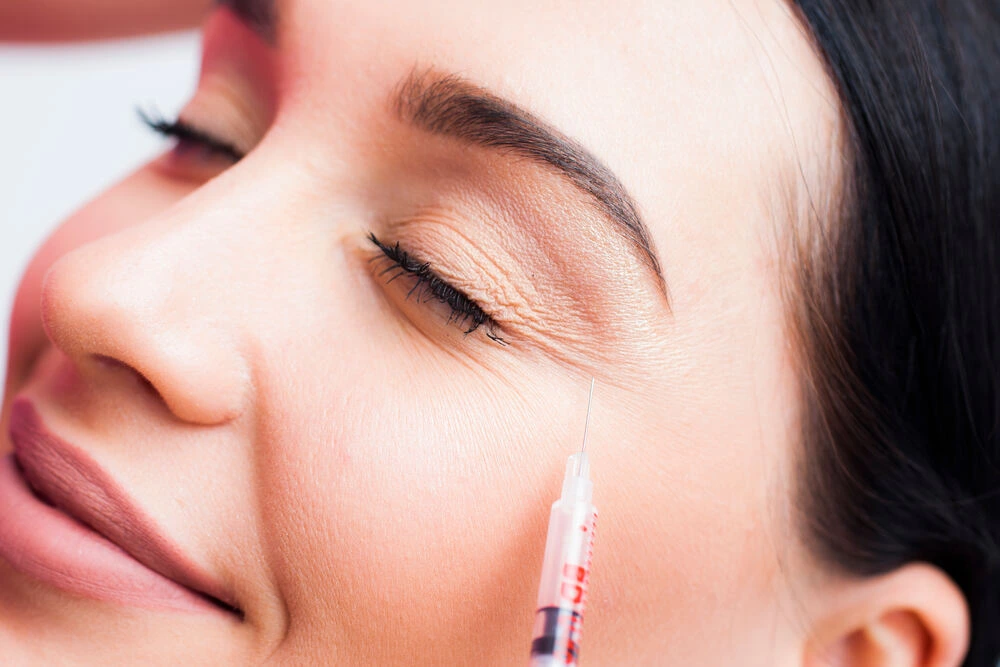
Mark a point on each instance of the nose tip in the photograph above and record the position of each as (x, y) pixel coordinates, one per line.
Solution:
(107, 317)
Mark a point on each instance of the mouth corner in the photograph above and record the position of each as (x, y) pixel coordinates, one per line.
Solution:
(72, 493)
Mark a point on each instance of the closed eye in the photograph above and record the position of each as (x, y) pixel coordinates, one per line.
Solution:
(185, 133)
(428, 285)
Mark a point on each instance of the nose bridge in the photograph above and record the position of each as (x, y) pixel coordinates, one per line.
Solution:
(160, 297)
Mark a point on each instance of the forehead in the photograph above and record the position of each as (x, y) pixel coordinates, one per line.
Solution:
(697, 105)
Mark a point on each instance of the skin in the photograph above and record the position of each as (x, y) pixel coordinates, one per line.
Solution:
(370, 483)
(58, 20)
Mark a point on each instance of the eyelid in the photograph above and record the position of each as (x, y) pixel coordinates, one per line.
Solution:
(463, 307)
(185, 131)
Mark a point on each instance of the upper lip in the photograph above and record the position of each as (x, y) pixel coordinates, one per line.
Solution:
(70, 480)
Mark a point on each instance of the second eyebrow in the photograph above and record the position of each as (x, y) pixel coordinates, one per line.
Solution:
(258, 15)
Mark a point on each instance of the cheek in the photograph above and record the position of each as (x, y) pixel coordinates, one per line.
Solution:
(416, 509)
(137, 198)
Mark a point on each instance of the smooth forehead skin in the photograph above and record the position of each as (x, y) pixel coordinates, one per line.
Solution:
(372, 485)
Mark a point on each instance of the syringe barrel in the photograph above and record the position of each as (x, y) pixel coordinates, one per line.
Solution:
(562, 592)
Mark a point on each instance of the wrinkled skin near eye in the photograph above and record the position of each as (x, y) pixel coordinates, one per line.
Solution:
(332, 348)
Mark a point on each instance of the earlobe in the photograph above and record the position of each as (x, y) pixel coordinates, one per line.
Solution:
(914, 616)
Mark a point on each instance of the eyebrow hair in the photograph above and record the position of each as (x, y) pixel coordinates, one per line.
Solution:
(258, 15)
(448, 105)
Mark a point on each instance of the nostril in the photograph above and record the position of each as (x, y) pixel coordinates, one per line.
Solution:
(111, 362)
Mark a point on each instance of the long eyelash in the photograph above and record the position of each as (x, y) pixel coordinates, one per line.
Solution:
(187, 132)
(429, 285)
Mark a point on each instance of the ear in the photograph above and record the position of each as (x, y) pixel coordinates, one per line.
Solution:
(912, 617)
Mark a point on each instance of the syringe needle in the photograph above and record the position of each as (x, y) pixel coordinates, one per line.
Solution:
(586, 423)
(562, 589)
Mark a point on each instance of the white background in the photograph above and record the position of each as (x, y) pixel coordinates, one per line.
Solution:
(68, 129)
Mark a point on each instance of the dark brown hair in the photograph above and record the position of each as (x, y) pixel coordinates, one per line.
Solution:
(899, 311)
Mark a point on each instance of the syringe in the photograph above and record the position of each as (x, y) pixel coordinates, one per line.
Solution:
(562, 592)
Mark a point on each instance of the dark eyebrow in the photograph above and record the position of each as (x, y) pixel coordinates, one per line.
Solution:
(259, 15)
(448, 105)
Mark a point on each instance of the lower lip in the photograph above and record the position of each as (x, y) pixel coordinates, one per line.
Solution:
(49, 546)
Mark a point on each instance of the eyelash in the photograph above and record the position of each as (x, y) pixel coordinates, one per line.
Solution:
(464, 310)
(185, 132)
(427, 284)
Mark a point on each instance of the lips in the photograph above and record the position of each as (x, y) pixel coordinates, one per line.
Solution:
(65, 521)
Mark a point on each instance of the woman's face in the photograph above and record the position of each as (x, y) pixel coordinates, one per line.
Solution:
(362, 461)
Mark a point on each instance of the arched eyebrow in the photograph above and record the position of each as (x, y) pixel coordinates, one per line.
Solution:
(448, 105)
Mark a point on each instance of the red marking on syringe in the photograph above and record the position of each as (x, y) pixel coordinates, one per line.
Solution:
(562, 592)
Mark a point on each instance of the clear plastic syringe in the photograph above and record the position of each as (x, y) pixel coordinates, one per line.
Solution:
(562, 592)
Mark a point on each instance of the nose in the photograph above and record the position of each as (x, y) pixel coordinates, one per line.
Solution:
(152, 298)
